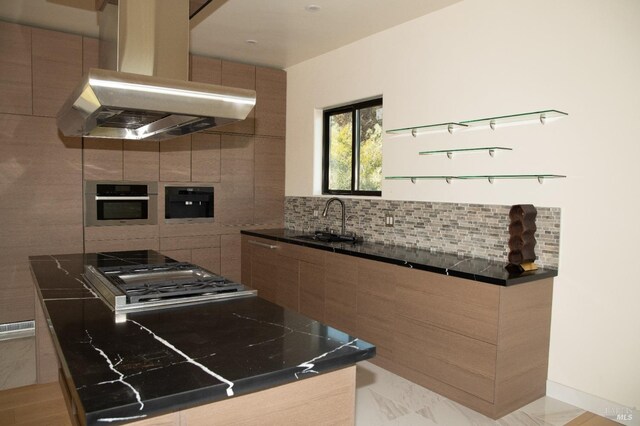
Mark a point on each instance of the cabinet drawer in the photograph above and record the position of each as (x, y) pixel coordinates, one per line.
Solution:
(312, 290)
(304, 254)
(376, 322)
(466, 307)
(465, 363)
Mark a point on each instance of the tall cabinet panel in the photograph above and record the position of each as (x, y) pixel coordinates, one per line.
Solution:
(269, 181)
(271, 105)
(57, 69)
(15, 68)
(244, 77)
(205, 70)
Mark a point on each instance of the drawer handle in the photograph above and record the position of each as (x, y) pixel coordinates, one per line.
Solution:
(258, 243)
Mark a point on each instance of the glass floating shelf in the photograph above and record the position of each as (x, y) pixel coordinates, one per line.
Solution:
(490, 178)
(430, 128)
(491, 149)
(492, 123)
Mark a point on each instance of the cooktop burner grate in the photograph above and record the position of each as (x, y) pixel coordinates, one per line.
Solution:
(142, 283)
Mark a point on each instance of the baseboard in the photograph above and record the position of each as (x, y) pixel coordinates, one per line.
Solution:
(600, 406)
(17, 330)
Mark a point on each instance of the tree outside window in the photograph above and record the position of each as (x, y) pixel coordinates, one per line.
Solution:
(352, 155)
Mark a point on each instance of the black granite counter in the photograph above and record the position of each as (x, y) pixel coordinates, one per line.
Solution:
(150, 363)
(477, 269)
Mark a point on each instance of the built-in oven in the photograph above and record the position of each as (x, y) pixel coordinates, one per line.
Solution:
(121, 203)
(188, 203)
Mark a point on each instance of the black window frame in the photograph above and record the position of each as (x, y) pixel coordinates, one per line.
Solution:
(355, 146)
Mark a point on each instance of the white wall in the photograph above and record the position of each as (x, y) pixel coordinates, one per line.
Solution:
(481, 58)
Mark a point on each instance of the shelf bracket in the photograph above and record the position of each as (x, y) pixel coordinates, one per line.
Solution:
(447, 179)
(492, 152)
(492, 124)
(449, 155)
(540, 180)
(543, 120)
(413, 180)
(450, 129)
(490, 179)
(414, 132)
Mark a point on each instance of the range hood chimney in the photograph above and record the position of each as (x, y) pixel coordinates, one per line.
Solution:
(141, 91)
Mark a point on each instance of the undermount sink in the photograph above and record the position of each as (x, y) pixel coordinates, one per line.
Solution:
(328, 237)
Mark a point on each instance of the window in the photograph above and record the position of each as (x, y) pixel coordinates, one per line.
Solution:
(352, 149)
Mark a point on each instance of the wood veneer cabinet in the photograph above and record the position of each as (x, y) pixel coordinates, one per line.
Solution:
(485, 346)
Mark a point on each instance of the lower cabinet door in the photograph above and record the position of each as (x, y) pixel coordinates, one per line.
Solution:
(460, 361)
(312, 290)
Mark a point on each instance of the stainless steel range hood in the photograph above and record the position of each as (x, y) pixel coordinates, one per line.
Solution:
(141, 91)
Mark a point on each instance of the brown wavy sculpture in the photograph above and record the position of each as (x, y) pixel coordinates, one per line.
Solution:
(522, 236)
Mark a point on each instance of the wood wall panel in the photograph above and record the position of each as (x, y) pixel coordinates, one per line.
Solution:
(57, 69)
(16, 289)
(15, 69)
(269, 181)
(141, 160)
(205, 70)
(205, 157)
(175, 160)
(41, 204)
(103, 159)
(208, 258)
(179, 255)
(119, 245)
(90, 57)
(190, 242)
(242, 76)
(120, 232)
(234, 198)
(271, 102)
(230, 256)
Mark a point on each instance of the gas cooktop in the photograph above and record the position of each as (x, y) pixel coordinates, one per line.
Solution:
(143, 287)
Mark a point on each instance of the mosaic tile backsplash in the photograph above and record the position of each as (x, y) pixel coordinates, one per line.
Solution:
(476, 230)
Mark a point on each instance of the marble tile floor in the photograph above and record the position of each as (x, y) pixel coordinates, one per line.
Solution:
(384, 399)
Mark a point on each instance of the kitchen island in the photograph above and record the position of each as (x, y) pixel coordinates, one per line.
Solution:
(242, 358)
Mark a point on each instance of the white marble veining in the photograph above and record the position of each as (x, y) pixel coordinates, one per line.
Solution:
(120, 419)
(308, 365)
(383, 398)
(112, 367)
(59, 265)
(187, 358)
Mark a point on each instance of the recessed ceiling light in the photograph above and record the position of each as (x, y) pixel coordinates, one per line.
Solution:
(251, 41)
(312, 8)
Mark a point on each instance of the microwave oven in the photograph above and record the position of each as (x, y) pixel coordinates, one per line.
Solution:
(121, 203)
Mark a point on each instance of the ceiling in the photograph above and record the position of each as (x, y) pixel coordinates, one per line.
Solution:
(285, 32)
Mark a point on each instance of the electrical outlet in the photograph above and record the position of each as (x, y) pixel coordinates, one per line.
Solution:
(388, 219)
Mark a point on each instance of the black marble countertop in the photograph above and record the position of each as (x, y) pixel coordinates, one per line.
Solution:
(477, 269)
(154, 362)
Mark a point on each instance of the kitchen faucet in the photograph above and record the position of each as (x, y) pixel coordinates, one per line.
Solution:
(326, 209)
